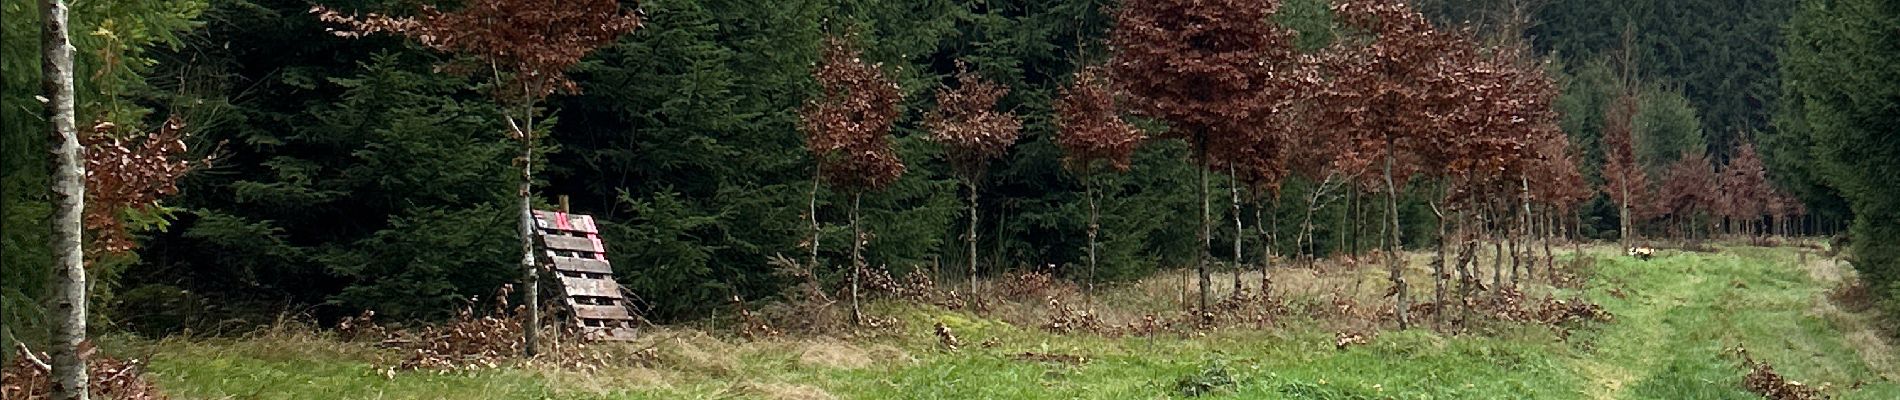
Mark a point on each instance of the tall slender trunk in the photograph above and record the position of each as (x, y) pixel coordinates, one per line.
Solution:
(530, 276)
(1438, 272)
(1467, 250)
(1303, 244)
(1339, 226)
(1576, 243)
(1510, 242)
(1525, 232)
(1266, 251)
(1206, 231)
(69, 203)
(812, 210)
(1496, 225)
(1392, 248)
(1359, 223)
(972, 234)
(1239, 231)
(857, 257)
(1550, 226)
(1095, 226)
(1623, 213)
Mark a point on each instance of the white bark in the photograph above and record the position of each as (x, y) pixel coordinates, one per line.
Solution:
(69, 202)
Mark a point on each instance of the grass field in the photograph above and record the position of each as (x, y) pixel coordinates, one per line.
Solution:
(1677, 319)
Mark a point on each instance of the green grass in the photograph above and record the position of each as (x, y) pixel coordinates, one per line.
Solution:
(1677, 317)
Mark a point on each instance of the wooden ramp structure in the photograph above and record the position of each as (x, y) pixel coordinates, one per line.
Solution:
(572, 252)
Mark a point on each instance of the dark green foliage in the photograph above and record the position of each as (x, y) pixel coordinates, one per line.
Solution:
(1841, 67)
(392, 196)
(1722, 52)
(1666, 126)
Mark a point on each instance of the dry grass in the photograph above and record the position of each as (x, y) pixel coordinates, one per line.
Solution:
(784, 391)
(832, 353)
(1848, 306)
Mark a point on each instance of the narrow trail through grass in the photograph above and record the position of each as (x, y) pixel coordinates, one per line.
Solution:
(1677, 318)
(1682, 316)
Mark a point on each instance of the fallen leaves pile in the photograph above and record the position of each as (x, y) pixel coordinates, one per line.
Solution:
(1762, 379)
(29, 377)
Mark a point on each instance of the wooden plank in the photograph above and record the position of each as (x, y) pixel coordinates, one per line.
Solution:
(591, 287)
(601, 312)
(610, 334)
(558, 242)
(587, 265)
(551, 220)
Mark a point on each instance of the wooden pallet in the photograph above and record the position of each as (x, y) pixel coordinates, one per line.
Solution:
(572, 251)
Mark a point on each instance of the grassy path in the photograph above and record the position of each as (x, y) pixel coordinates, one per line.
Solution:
(1681, 316)
(1676, 318)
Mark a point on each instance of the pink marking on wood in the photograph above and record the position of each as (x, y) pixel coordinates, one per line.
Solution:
(598, 245)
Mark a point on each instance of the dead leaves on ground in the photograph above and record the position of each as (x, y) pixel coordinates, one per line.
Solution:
(1762, 379)
(28, 377)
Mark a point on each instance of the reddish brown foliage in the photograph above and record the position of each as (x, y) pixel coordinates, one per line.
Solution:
(29, 378)
(1745, 189)
(1089, 127)
(1432, 97)
(1689, 185)
(1623, 178)
(967, 124)
(130, 175)
(1064, 319)
(1509, 304)
(1031, 284)
(1763, 380)
(1556, 180)
(533, 41)
(847, 127)
(1217, 71)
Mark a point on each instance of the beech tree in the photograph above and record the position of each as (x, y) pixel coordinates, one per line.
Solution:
(69, 203)
(1092, 134)
(1689, 187)
(1388, 86)
(847, 130)
(1745, 189)
(130, 175)
(1560, 188)
(1207, 68)
(526, 48)
(973, 133)
(1623, 178)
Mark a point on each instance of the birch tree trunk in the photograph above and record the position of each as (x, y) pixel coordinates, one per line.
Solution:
(69, 201)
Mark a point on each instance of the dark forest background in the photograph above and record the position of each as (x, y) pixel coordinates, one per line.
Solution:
(351, 175)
